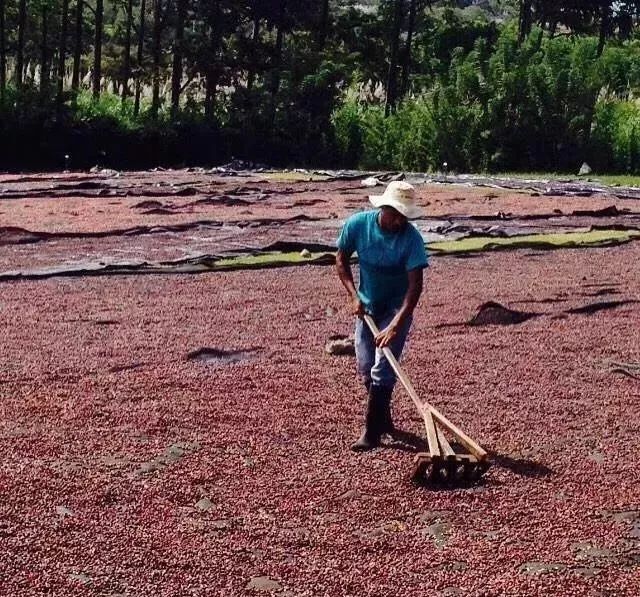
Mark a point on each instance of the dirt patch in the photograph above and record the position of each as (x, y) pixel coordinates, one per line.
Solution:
(492, 313)
(150, 204)
(264, 584)
(536, 568)
(631, 370)
(217, 356)
(171, 455)
(339, 345)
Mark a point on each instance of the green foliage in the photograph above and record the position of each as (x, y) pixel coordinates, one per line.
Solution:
(104, 132)
(347, 127)
(108, 110)
(547, 104)
(616, 137)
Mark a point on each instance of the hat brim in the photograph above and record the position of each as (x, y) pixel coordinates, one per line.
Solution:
(408, 212)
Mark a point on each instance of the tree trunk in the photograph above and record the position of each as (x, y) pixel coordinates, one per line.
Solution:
(176, 72)
(524, 24)
(157, 30)
(323, 25)
(44, 51)
(392, 76)
(212, 70)
(22, 25)
(97, 54)
(140, 56)
(126, 66)
(254, 46)
(605, 21)
(77, 47)
(3, 55)
(62, 51)
(406, 62)
(277, 60)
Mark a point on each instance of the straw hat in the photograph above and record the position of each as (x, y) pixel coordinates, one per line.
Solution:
(401, 196)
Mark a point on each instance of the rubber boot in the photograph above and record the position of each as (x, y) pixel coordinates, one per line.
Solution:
(370, 437)
(386, 423)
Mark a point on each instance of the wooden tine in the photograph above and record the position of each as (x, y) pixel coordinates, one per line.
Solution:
(450, 472)
(445, 446)
(432, 435)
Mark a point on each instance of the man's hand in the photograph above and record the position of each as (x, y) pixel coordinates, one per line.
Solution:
(357, 307)
(386, 336)
(346, 277)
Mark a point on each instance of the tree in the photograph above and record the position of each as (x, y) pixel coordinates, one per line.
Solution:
(22, 25)
(406, 58)
(604, 18)
(62, 51)
(126, 66)
(392, 76)
(178, 50)
(209, 57)
(3, 55)
(44, 49)
(605, 24)
(323, 25)
(277, 59)
(97, 52)
(77, 46)
(157, 56)
(140, 57)
(525, 19)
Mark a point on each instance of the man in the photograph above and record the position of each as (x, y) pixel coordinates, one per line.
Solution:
(392, 257)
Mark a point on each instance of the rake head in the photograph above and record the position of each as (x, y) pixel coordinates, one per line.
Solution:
(449, 471)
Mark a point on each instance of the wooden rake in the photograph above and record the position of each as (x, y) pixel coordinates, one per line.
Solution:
(441, 464)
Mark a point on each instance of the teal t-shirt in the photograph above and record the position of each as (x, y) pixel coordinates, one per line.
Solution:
(385, 259)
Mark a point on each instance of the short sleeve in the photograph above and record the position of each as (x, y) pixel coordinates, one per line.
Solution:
(347, 238)
(417, 254)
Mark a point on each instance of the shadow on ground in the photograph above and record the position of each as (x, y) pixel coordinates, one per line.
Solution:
(522, 467)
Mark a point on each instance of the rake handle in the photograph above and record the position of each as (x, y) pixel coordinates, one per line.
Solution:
(424, 407)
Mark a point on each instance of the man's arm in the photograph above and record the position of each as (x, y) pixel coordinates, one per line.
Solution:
(411, 299)
(343, 267)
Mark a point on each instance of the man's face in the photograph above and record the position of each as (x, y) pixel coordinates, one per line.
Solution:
(391, 220)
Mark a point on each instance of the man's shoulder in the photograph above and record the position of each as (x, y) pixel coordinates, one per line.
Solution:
(360, 219)
(413, 233)
(362, 216)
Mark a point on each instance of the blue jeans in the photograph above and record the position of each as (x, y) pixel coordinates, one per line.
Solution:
(372, 364)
